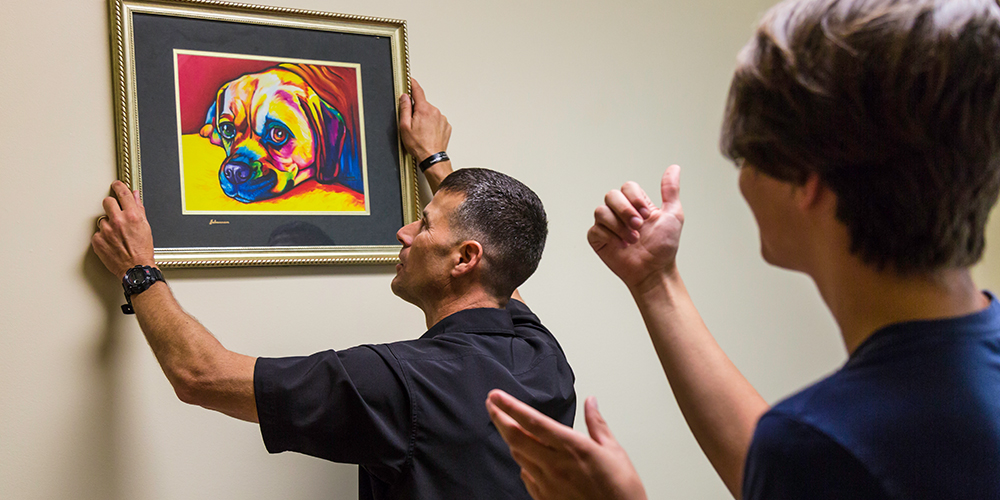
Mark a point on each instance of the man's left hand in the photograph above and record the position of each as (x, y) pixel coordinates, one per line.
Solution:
(422, 128)
(559, 463)
(123, 239)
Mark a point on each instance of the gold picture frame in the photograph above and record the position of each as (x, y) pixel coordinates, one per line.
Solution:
(274, 202)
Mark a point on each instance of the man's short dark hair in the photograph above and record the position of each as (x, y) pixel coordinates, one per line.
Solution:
(505, 217)
(895, 104)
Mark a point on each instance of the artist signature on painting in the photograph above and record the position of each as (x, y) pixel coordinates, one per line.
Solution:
(213, 222)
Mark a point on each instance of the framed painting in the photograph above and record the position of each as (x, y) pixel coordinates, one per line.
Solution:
(262, 135)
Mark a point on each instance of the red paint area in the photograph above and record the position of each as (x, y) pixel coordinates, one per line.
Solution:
(199, 79)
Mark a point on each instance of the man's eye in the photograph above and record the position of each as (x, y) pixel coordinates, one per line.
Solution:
(277, 135)
(227, 130)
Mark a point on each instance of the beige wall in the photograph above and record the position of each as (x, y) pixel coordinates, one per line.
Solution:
(574, 98)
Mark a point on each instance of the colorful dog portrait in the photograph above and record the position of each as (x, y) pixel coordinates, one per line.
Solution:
(269, 136)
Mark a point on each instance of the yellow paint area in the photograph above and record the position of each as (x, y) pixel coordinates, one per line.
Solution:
(200, 168)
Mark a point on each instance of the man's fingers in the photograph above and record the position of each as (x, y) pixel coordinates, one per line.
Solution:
(405, 112)
(138, 201)
(124, 195)
(100, 219)
(638, 198)
(606, 218)
(531, 484)
(529, 465)
(111, 206)
(546, 430)
(527, 451)
(97, 241)
(596, 425)
(600, 237)
(419, 99)
(519, 440)
(624, 208)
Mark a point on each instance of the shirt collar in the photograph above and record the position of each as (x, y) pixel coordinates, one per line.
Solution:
(487, 320)
(986, 320)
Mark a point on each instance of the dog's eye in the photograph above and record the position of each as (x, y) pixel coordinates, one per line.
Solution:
(227, 130)
(278, 135)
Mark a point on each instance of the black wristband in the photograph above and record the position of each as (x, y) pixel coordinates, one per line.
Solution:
(137, 280)
(432, 159)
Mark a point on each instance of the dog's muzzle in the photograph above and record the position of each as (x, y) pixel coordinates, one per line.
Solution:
(246, 183)
(237, 172)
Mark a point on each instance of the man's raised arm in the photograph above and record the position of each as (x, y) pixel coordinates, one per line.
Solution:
(199, 368)
(638, 241)
(424, 132)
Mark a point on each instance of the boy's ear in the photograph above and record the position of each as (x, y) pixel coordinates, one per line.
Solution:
(812, 192)
(470, 257)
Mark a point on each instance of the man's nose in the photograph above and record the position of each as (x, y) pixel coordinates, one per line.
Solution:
(404, 234)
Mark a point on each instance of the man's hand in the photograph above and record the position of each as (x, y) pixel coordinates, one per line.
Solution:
(422, 127)
(124, 239)
(557, 462)
(636, 239)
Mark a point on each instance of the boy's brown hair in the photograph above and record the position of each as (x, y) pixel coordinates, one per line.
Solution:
(895, 104)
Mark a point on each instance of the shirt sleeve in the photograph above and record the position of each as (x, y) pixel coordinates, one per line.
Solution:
(349, 406)
(791, 460)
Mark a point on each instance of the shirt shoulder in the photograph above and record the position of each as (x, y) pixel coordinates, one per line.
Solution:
(789, 459)
(914, 406)
(349, 406)
(521, 313)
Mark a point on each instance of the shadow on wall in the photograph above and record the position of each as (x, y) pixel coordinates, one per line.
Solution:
(987, 272)
(101, 459)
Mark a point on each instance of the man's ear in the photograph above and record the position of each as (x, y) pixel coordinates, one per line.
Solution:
(812, 193)
(470, 258)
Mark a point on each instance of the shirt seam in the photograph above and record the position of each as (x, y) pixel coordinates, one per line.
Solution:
(411, 444)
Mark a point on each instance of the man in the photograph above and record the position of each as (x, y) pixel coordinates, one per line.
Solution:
(404, 411)
(868, 138)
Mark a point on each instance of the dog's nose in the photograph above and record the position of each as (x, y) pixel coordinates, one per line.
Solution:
(236, 173)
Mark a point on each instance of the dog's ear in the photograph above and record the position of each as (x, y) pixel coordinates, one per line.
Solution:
(330, 146)
(340, 162)
(208, 130)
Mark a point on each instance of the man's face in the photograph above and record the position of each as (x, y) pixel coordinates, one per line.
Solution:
(772, 202)
(429, 251)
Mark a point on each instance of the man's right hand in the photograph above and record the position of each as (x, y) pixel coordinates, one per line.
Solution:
(123, 239)
(636, 239)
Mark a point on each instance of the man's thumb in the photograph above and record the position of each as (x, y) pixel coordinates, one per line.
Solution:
(598, 428)
(670, 185)
(404, 110)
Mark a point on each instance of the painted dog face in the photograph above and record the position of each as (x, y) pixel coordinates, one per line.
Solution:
(277, 133)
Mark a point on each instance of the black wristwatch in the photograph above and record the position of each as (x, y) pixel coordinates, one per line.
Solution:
(138, 280)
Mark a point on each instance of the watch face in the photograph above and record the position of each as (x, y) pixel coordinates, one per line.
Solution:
(135, 276)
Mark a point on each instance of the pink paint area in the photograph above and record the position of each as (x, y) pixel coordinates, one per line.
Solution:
(199, 79)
